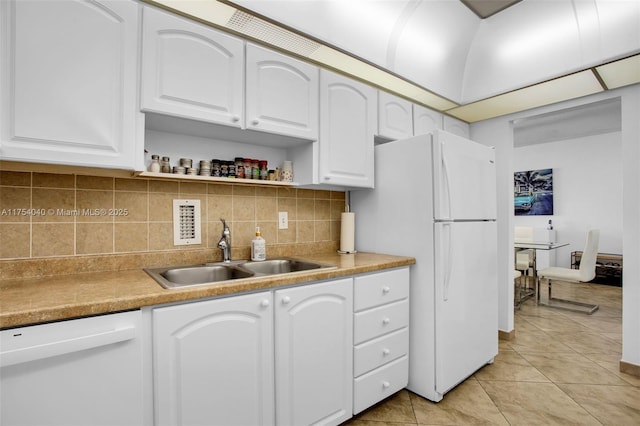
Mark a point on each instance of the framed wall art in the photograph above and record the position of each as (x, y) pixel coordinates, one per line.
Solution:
(533, 192)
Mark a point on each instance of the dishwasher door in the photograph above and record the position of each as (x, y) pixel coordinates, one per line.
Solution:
(78, 372)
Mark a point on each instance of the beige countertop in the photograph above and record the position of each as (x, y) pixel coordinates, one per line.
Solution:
(36, 300)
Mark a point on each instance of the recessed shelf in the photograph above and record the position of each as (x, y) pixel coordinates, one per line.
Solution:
(172, 176)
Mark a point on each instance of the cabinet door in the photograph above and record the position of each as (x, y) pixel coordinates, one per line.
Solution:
(314, 360)
(191, 70)
(213, 362)
(282, 94)
(348, 114)
(425, 120)
(69, 73)
(395, 116)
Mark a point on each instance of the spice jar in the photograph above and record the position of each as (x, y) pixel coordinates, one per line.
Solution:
(215, 168)
(247, 168)
(224, 169)
(155, 164)
(255, 170)
(264, 171)
(240, 167)
(165, 167)
(232, 169)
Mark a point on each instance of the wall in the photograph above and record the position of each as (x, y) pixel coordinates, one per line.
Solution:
(314, 215)
(498, 132)
(587, 190)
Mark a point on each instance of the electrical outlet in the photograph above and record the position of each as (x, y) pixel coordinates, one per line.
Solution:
(283, 220)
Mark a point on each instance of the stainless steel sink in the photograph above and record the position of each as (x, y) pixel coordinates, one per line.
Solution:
(218, 273)
(281, 266)
(184, 276)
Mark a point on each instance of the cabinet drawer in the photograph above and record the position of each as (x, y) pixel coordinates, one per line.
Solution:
(379, 384)
(382, 320)
(380, 288)
(371, 355)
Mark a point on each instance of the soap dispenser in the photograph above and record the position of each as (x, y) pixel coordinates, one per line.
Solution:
(258, 247)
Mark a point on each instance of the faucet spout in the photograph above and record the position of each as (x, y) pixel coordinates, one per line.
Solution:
(225, 242)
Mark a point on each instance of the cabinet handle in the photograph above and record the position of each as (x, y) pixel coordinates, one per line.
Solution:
(255, 122)
(386, 321)
(386, 351)
(235, 118)
(385, 384)
(265, 303)
(286, 300)
(327, 177)
(386, 289)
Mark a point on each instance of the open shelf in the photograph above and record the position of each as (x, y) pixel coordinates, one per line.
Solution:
(172, 176)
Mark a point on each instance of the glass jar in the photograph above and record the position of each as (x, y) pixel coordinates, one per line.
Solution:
(165, 167)
(155, 164)
(240, 167)
(247, 168)
(215, 167)
(264, 171)
(255, 169)
(224, 169)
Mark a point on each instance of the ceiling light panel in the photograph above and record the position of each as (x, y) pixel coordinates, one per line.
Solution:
(568, 87)
(620, 73)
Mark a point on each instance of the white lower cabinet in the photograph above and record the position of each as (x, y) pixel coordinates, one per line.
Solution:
(314, 362)
(214, 360)
(381, 336)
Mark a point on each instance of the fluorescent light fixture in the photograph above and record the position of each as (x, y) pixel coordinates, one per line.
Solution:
(379, 77)
(620, 73)
(560, 89)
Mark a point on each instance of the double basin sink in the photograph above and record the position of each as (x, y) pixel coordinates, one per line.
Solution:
(218, 273)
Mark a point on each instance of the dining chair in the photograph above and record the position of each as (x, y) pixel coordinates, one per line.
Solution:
(518, 288)
(586, 272)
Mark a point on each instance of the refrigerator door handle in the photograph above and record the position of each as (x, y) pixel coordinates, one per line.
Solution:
(446, 186)
(447, 261)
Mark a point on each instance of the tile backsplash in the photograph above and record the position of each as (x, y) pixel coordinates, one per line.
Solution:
(64, 215)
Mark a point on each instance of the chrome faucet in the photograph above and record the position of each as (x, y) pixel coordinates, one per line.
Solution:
(225, 242)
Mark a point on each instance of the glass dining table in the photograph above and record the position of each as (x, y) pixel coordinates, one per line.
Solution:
(534, 246)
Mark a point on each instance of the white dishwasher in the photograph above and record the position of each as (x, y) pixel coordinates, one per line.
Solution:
(85, 372)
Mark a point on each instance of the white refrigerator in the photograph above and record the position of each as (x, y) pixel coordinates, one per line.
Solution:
(435, 200)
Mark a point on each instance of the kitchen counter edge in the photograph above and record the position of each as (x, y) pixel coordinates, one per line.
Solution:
(29, 301)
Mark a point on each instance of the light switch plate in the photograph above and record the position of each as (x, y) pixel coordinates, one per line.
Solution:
(283, 220)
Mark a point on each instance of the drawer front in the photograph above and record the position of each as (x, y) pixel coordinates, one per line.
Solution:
(371, 355)
(379, 384)
(382, 320)
(380, 288)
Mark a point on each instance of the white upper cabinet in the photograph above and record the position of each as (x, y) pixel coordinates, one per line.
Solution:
(191, 70)
(68, 83)
(282, 94)
(455, 126)
(395, 116)
(425, 120)
(348, 122)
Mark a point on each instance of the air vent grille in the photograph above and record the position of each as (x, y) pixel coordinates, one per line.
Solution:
(262, 30)
(186, 222)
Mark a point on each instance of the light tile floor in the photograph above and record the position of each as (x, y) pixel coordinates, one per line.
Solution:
(562, 368)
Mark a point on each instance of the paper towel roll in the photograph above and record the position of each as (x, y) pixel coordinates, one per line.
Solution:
(347, 232)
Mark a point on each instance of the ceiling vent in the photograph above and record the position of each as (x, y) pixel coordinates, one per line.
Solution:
(262, 30)
(186, 222)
